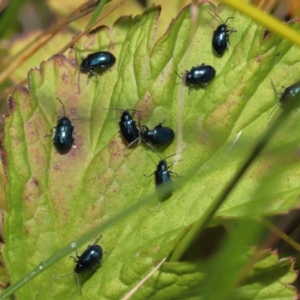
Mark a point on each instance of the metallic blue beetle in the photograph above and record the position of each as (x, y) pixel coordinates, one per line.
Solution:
(128, 128)
(159, 135)
(287, 95)
(97, 61)
(220, 40)
(88, 259)
(290, 92)
(63, 139)
(162, 176)
(199, 75)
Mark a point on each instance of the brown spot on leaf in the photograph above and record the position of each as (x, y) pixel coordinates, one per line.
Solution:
(259, 58)
(34, 182)
(65, 78)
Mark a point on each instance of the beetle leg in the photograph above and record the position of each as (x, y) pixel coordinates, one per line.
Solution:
(74, 142)
(50, 133)
(132, 143)
(78, 283)
(97, 240)
(149, 174)
(75, 258)
(174, 173)
(160, 123)
(231, 30)
(93, 73)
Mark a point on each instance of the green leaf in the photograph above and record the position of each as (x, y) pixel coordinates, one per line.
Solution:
(54, 199)
(270, 279)
(258, 275)
(255, 272)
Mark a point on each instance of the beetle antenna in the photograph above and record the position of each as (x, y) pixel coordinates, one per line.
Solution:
(228, 19)
(121, 109)
(178, 75)
(97, 240)
(276, 92)
(274, 89)
(154, 150)
(217, 17)
(113, 108)
(162, 122)
(273, 110)
(77, 279)
(172, 155)
(79, 117)
(62, 105)
(56, 277)
(159, 154)
(78, 282)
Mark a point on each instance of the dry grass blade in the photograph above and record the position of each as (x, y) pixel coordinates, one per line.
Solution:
(46, 36)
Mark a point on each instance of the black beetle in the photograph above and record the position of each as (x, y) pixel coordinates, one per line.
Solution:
(162, 176)
(99, 60)
(63, 139)
(287, 95)
(88, 260)
(128, 127)
(158, 135)
(220, 40)
(199, 75)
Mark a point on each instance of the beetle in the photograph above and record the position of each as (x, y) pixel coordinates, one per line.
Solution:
(288, 94)
(99, 60)
(200, 75)
(88, 260)
(162, 176)
(158, 135)
(63, 139)
(128, 127)
(220, 39)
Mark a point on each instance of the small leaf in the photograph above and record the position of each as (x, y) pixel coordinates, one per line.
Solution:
(270, 279)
